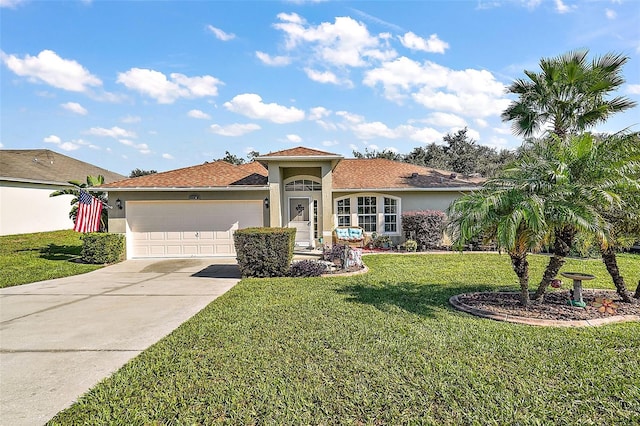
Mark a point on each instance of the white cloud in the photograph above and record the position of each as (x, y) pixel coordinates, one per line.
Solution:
(321, 77)
(167, 156)
(374, 130)
(443, 119)
(480, 122)
(196, 113)
(142, 148)
(415, 42)
(66, 146)
(330, 143)
(52, 139)
(274, 61)
(74, 107)
(317, 113)
(251, 105)
(294, 138)
(561, 7)
(470, 92)
(346, 42)
(50, 68)
(633, 89)
(610, 14)
(114, 132)
(11, 4)
(221, 35)
(131, 119)
(156, 85)
(234, 129)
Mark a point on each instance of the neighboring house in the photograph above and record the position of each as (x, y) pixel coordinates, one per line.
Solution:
(27, 177)
(194, 211)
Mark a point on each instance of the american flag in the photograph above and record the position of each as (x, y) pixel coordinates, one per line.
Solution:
(89, 211)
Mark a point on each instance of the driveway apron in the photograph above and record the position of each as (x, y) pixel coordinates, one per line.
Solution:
(59, 338)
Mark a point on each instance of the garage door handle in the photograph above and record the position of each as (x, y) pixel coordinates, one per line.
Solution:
(197, 234)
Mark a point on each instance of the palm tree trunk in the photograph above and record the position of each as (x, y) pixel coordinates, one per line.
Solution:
(609, 259)
(637, 293)
(521, 268)
(561, 247)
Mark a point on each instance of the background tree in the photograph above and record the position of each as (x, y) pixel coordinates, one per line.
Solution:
(140, 172)
(231, 158)
(92, 181)
(385, 153)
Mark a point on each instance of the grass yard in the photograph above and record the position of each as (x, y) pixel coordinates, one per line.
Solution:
(379, 348)
(27, 258)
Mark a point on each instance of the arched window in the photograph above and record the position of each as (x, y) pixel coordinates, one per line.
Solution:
(303, 185)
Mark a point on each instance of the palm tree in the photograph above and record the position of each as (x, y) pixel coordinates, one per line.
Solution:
(625, 220)
(92, 181)
(510, 217)
(582, 181)
(568, 94)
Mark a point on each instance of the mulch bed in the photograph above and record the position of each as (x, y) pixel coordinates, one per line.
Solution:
(554, 306)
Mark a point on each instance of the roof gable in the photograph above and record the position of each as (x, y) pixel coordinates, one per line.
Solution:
(300, 151)
(44, 165)
(380, 173)
(216, 174)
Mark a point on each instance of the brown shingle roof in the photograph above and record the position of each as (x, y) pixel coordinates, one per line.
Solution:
(216, 174)
(299, 151)
(379, 173)
(43, 165)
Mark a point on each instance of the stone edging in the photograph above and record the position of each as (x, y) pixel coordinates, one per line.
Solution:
(456, 303)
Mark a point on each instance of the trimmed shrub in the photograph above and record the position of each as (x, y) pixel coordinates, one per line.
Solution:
(307, 268)
(411, 245)
(425, 227)
(100, 248)
(264, 252)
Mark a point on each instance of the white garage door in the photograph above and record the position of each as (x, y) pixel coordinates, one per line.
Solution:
(188, 228)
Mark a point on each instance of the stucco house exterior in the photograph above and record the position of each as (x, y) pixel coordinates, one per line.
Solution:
(193, 211)
(27, 177)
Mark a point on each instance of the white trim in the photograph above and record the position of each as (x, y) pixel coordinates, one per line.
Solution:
(182, 188)
(378, 190)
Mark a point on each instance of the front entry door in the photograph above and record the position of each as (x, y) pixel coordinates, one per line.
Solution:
(299, 219)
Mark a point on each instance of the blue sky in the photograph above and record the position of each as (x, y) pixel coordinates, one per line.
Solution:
(162, 85)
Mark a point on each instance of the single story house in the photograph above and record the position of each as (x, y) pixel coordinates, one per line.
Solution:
(28, 177)
(193, 211)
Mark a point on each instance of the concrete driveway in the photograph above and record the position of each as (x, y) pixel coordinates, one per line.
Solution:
(58, 338)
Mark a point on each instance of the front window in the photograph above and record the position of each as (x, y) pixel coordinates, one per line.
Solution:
(367, 214)
(390, 215)
(344, 212)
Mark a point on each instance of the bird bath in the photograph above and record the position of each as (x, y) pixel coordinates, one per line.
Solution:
(577, 277)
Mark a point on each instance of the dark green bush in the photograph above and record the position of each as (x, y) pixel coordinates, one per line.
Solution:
(307, 268)
(264, 252)
(425, 227)
(100, 247)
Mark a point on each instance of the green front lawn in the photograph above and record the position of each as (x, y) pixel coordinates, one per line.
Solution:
(27, 258)
(379, 348)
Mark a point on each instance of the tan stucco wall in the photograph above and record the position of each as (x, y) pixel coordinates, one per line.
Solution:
(27, 208)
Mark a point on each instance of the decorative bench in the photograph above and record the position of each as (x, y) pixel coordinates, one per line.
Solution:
(352, 235)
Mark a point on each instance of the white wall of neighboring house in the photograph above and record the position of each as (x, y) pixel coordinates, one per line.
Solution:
(26, 207)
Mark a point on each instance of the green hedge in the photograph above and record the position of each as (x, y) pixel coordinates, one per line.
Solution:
(425, 227)
(100, 247)
(264, 252)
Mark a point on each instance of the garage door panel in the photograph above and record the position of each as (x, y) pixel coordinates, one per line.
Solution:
(187, 229)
